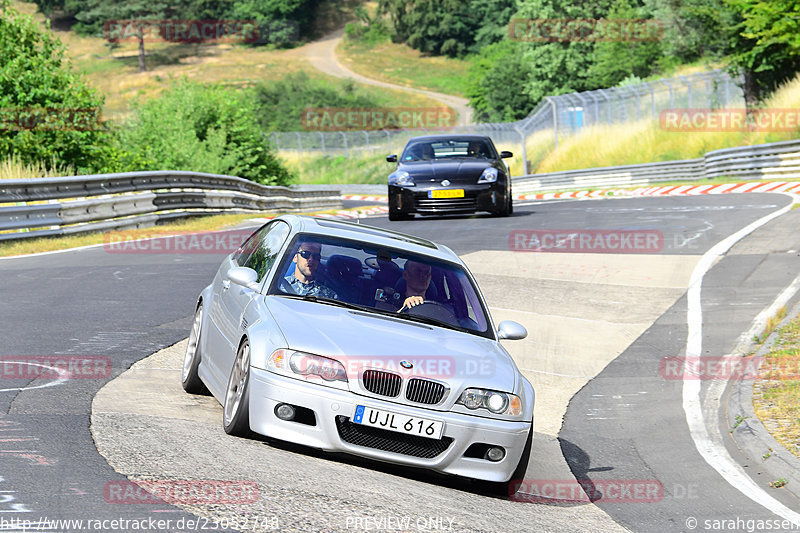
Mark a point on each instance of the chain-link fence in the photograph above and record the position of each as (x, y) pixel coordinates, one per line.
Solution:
(555, 117)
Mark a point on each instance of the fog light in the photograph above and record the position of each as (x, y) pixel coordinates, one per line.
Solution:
(284, 411)
(495, 453)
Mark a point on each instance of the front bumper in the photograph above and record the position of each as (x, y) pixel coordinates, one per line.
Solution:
(484, 197)
(268, 389)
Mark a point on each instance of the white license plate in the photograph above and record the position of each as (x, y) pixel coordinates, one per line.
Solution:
(410, 425)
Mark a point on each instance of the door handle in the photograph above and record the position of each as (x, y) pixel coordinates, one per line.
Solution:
(226, 284)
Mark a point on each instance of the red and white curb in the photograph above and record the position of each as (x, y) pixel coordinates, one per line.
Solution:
(362, 198)
(672, 190)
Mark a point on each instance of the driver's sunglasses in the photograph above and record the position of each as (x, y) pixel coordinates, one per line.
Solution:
(308, 254)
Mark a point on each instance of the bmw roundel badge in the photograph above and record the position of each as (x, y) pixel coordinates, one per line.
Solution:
(406, 364)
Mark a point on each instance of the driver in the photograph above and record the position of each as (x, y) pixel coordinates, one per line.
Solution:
(418, 277)
(303, 281)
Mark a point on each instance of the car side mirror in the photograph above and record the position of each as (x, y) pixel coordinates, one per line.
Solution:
(244, 276)
(391, 158)
(510, 330)
(506, 154)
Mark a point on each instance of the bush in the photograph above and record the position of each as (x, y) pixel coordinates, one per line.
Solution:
(197, 128)
(280, 104)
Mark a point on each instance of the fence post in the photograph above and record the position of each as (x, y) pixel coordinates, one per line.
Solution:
(366, 134)
(322, 143)
(608, 105)
(688, 88)
(652, 101)
(525, 169)
(555, 118)
(299, 143)
(346, 151)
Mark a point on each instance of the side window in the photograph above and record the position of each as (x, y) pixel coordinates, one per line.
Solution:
(260, 255)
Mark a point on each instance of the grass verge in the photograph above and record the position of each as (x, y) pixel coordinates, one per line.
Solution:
(776, 396)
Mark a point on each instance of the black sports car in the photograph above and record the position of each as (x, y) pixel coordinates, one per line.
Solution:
(443, 174)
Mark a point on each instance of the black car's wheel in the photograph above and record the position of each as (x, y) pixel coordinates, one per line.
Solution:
(395, 216)
(191, 360)
(507, 209)
(236, 411)
(506, 488)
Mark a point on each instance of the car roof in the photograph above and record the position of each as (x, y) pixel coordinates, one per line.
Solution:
(371, 234)
(451, 137)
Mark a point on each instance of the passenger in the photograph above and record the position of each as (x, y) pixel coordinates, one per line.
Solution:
(427, 152)
(303, 281)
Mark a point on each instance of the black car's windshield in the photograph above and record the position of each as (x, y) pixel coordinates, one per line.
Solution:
(445, 149)
(414, 287)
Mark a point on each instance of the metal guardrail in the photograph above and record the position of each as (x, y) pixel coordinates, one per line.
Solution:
(139, 199)
(773, 161)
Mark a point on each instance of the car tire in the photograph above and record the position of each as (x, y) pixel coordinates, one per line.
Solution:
(395, 216)
(504, 488)
(236, 409)
(191, 360)
(507, 209)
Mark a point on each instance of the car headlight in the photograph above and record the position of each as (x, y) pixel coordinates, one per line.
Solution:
(489, 175)
(400, 178)
(322, 370)
(499, 403)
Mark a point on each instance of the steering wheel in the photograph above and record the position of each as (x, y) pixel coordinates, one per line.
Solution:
(435, 310)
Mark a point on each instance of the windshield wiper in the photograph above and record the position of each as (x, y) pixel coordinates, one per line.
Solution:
(431, 321)
(322, 299)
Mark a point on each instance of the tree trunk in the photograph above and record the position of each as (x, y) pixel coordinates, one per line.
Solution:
(751, 91)
(142, 66)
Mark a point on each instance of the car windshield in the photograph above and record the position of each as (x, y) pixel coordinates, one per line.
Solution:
(380, 280)
(444, 149)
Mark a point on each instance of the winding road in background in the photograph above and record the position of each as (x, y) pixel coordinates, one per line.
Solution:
(322, 56)
(599, 325)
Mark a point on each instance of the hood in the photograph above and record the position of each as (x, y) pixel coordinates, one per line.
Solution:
(464, 170)
(362, 340)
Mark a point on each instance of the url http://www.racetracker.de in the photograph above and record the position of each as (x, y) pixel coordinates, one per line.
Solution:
(140, 524)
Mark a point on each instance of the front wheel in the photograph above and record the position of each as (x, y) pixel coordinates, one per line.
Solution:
(236, 411)
(191, 360)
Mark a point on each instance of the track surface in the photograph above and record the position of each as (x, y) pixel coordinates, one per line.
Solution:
(127, 306)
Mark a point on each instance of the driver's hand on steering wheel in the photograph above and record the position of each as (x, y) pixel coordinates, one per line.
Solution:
(411, 301)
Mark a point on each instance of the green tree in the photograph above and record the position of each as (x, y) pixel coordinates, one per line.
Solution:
(448, 27)
(498, 76)
(767, 45)
(203, 128)
(96, 15)
(48, 113)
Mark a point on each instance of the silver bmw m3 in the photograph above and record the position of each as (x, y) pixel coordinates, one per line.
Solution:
(354, 339)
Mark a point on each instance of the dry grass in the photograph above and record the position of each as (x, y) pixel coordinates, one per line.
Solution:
(400, 64)
(772, 323)
(776, 396)
(645, 141)
(14, 169)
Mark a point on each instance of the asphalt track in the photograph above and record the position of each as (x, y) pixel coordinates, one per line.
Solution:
(125, 306)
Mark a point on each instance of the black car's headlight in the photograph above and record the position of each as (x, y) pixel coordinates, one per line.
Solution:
(310, 367)
(499, 403)
(401, 178)
(489, 175)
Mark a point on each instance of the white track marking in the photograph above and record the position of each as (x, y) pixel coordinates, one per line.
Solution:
(61, 378)
(707, 439)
